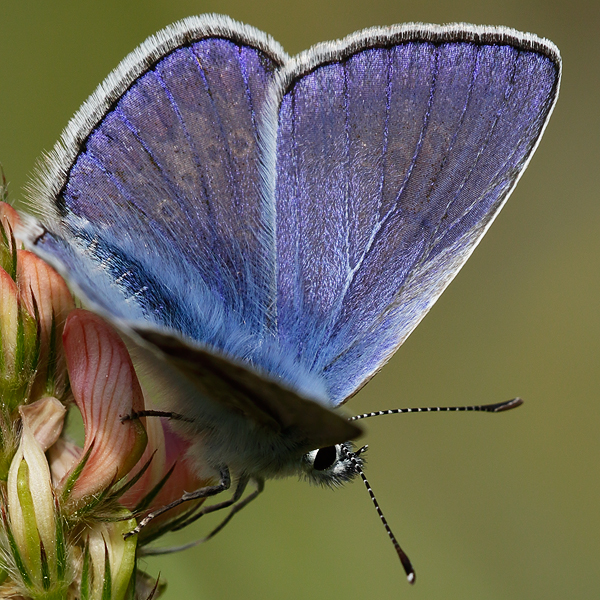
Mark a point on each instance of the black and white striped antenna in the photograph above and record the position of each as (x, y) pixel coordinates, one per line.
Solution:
(352, 456)
(408, 568)
(493, 408)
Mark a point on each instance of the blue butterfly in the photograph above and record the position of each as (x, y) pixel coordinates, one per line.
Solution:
(266, 231)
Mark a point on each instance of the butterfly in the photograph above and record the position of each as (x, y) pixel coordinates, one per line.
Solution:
(267, 230)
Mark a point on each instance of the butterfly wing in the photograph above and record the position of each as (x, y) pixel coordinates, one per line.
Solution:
(236, 396)
(152, 200)
(305, 231)
(395, 149)
(152, 207)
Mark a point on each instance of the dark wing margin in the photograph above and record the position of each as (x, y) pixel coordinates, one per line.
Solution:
(395, 149)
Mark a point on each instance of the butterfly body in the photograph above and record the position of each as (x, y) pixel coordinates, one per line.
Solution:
(266, 231)
(235, 417)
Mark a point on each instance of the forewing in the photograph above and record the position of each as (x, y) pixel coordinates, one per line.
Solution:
(395, 150)
(151, 203)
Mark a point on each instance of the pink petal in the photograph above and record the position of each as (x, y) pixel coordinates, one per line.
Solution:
(185, 476)
(167, 449)
(45, 418)
(155, 450)
(38, 280)
(106, 388)
(63, 457)
(9, 216)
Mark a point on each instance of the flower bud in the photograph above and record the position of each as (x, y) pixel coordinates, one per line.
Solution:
(19, 347)
(9, 219)
(46, 296)
(34, 527)
(109, 560)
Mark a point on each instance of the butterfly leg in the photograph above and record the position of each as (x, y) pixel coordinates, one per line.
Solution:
(237, 506)
(198, 511)
(205, 492)
(155, 413)
(234, 502)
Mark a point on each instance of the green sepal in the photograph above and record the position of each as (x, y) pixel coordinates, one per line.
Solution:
(8, 248)
(107, 580)
(86, 580)
(52, 361)
(16, 554)
(32, 537)
(61, 546)
(124, 484)
(46, 577)
(9, 442)
(3, 185)
(74, 476)
(155, 587)
(18, 379)
(145, 502)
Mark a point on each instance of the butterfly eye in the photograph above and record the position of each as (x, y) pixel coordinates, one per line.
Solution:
(325, 458)
(331, 466)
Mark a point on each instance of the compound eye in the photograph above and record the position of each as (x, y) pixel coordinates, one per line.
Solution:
(325, 458)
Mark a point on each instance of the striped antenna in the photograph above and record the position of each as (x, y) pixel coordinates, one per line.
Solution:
(494, 408)
(408, 568)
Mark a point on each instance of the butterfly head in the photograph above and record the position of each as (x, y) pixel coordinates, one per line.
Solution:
(333, 466)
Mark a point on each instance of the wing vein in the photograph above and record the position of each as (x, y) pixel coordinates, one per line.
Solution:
(379, 226)
(165, 176)
(424, 127)
(424, 255)
(230, 167)
(446, 157)
(502, 107)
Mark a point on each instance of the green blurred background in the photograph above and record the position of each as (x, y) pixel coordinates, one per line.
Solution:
(487, 506)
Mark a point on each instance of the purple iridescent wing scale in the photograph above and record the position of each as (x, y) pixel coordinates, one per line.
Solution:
(395, 151)
(292, 220)
(152, 207)
(159, 214)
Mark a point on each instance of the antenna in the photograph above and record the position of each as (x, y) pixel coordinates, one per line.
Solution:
(494, 408)
(352, 457)
(408, 568)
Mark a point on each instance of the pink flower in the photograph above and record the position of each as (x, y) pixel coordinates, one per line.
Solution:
(9, 319)
(67, 508)
(106, 389)
(34, 302)
(147, 450)
(8, 215)
(167, 462)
